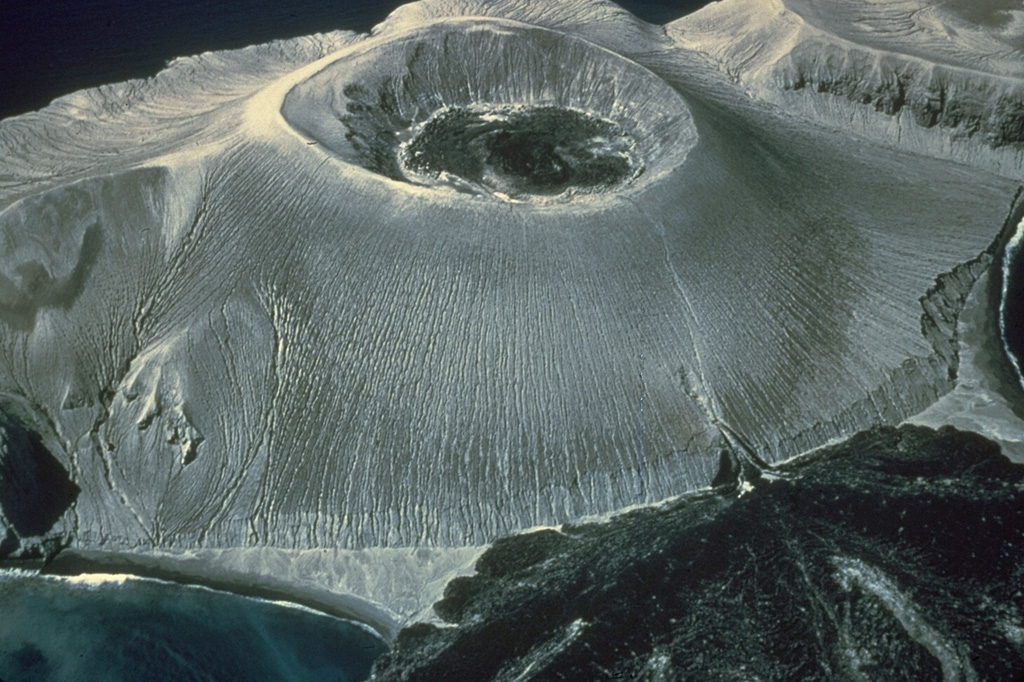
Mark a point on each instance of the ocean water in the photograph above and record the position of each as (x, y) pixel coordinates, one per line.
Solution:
(127, 630)
(53, 47)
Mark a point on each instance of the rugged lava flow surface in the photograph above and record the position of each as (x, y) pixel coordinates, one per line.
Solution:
(896, 555)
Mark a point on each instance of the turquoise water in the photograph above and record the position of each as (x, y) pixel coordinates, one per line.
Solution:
(54, 630)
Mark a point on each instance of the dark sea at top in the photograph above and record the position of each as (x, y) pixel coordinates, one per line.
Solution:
(54, 47)
(55, 630)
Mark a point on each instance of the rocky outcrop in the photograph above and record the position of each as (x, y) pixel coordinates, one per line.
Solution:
(945, 301)
(989, 109)
(917, 74)
(895, 555)
(35, 489)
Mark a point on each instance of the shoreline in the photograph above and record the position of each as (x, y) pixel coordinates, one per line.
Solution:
(196, 572)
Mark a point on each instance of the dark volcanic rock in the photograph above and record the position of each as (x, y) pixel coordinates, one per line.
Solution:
(35, 490)
(895, 555)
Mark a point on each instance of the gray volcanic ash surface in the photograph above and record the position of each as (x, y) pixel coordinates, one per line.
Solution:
(492, 265)
(940, 77)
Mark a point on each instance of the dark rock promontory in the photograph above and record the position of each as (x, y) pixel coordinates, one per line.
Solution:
(896, 555)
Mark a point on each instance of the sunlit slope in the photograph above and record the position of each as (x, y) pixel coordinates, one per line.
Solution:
(263, 328)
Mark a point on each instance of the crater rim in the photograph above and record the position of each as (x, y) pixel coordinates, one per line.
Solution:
(650, 114)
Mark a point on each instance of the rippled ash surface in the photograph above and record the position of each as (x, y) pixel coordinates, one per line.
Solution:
(253, 326)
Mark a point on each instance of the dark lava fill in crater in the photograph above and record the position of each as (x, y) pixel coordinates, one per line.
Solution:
(492, 108)
(515, 151)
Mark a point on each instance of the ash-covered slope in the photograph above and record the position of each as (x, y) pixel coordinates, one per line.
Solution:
(896, 555)
(493, 265)
(945, 75)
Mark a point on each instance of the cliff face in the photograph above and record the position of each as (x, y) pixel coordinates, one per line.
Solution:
(944, 78)
(895, 555)
(990, 110)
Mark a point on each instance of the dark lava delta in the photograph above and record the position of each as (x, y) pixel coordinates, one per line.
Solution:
(896, 555)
